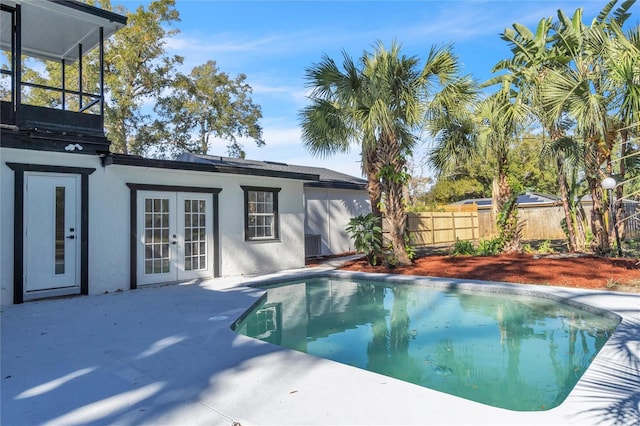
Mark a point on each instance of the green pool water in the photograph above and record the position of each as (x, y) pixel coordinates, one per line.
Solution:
(515, 352)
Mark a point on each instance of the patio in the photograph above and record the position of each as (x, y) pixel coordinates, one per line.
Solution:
(166, 355)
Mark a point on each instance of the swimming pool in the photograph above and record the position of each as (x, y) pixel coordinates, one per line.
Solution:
(516, 352)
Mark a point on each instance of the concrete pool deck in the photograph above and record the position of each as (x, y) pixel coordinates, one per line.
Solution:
(167, 356)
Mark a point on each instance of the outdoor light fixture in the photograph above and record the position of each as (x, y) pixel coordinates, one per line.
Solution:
(609, 183)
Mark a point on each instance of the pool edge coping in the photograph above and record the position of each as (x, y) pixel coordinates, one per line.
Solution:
(566, 295)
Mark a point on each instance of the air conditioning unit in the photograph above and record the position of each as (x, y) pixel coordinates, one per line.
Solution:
(312, 245)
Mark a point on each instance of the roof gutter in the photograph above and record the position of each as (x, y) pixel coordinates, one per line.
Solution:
(136, 161)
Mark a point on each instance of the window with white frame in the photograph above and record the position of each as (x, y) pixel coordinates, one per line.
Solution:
(260, 213)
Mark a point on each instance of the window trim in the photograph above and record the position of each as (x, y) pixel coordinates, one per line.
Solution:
(276, 213)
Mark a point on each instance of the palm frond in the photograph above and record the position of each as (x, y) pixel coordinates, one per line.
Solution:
(325, 129)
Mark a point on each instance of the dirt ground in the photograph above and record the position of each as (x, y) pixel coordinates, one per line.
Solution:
(561, 270)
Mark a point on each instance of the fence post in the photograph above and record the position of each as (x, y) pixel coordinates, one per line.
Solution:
(473, 225)
(433, 231)
(453, 226)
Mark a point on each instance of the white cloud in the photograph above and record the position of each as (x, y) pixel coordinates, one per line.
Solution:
(209, 44)
(294, 93)
(282, 137)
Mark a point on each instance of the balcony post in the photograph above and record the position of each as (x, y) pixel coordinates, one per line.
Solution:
(64, 79)
(17, 64)
(101, 48)
(80, 75)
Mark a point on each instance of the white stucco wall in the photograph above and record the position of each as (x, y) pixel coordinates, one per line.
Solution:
(109, 218)
(328, 212)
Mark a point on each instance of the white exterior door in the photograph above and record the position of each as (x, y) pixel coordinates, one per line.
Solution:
(175, 236)
(51, 232)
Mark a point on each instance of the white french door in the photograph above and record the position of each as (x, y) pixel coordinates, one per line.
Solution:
(175, 236)
(51, 232)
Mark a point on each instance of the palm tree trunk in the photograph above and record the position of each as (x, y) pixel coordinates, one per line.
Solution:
(600, 242)
(371, 170)
(507, 208)
(397, 220)
(392, 167)
(579, 221)
(564, 194)
(619, 209)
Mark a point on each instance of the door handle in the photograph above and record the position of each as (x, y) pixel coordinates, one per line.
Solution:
(71, 237)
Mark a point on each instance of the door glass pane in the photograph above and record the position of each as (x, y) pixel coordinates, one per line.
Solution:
(59, 231)
(156, 236)
(195, 254)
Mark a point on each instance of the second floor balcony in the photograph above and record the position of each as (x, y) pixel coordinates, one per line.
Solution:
(52, 67)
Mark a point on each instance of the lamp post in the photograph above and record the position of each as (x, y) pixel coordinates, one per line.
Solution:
(609, 183)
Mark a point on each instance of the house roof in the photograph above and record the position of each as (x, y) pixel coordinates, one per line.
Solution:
(528, 198)
(52, 29)
(184, 164)
(327, 178)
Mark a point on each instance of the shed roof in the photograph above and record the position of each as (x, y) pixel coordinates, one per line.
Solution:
(528, 198)
(328, 178)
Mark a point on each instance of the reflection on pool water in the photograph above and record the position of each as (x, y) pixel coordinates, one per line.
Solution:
(510, 351)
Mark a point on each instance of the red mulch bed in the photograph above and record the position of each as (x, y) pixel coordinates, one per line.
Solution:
(567, 271)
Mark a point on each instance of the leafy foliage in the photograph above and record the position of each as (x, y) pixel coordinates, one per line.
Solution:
(546, 248)
(137, 68)
(189, 108)
(207, 103)
(485, 247)
(473, 177)
(463, 248)
(378, 103)
(578, 81)
(411, 251)
(367, 236)
(490, 247)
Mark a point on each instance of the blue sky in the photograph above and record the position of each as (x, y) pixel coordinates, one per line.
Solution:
(273, 42)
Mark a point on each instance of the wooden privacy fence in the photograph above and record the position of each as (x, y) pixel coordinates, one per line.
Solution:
(544, 222)
(538, 223)
(439, 228)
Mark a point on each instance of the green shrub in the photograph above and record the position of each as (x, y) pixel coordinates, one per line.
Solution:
(463, 247)
(411, 251)
(490, 247)
(546, 248)
(367, 236)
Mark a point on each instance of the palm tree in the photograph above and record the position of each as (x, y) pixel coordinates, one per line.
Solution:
(583, 88)
(331, 125)
(533, 56)
(504, 116)
(488, 128)
(623, 63)
(378, 104)
(568, 155)
(570, 72)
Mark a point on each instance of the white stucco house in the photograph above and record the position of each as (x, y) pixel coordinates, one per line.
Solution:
(329, 202)
(77, 219)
